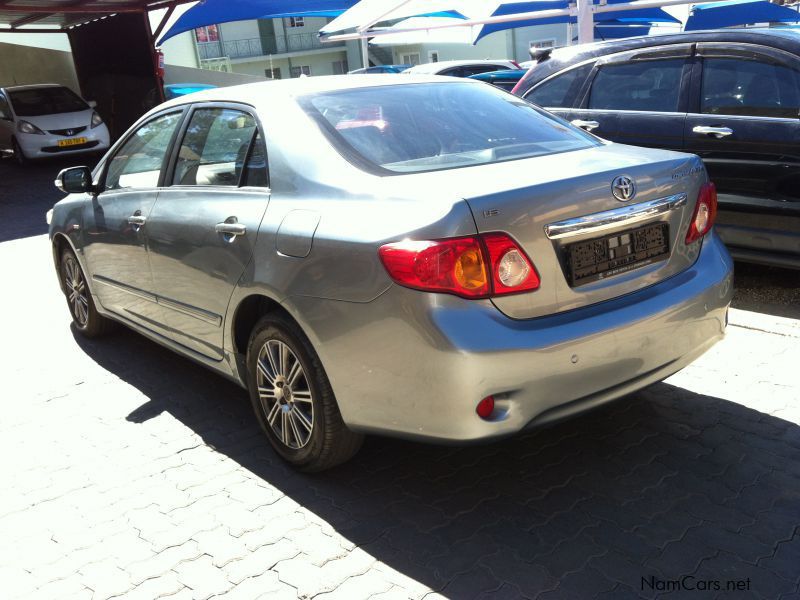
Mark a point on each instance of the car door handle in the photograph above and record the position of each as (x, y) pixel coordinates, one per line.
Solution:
(717, 132)
(137, 220)
(587, 125)
(231, 227)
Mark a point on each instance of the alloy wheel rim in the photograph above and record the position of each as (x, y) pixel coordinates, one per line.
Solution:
(77, 294)
(284, 393)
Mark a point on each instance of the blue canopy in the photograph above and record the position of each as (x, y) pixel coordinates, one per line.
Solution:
(211, 12)
(624, 17)
(738, 12)
(617, 31)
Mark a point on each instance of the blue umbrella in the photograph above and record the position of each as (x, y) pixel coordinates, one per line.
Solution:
(211, 12)
(624, 17)
(738, 12)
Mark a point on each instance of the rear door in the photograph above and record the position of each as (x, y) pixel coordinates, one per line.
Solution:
(204, 225)
(744, 123)
(638, 97)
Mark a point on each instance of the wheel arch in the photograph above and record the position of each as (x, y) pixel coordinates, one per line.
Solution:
(60, 244)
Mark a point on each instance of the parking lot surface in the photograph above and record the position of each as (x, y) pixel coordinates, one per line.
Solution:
(131, 472)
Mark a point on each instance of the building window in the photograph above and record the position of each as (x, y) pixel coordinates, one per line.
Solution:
(542, 44)
(301, 70)
(297, 22)
(433, 56)
(207, 34)
(410, 59)
(339, 67)
(273, 73)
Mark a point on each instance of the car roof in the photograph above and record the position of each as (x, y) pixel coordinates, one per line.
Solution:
(16, 88)
(561, 58)
(291, 88)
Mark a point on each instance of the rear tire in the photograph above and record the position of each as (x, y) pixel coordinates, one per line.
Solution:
(293, 399)
(85, 317)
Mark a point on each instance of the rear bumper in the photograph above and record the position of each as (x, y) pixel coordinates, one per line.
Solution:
(416, 364)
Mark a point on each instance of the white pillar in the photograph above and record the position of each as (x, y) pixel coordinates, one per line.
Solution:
(364, 52)
(585, 22)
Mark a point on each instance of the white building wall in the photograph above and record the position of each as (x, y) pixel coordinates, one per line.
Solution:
(181, 51)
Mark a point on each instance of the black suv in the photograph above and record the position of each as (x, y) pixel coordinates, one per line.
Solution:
(729, 96)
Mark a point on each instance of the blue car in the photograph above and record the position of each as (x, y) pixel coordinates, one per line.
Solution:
(505, 79)
(176, 90)
(380, 69)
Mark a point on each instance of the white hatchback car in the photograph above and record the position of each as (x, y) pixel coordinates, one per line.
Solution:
(461, 68)
(39, 121)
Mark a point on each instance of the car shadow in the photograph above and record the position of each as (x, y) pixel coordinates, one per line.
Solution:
(656, 487)
(769, 290)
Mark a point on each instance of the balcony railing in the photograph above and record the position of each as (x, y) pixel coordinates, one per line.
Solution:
(268, 44)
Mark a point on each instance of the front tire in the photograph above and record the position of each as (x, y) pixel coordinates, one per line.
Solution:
(85, 317)
(19, 155)
(293, 399)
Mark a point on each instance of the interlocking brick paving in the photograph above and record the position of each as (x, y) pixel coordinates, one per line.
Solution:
(131, 472)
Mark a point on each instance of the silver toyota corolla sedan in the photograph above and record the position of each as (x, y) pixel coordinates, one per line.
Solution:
(430, 258)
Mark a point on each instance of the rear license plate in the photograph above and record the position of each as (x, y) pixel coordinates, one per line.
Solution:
(617, 253)
(71, 142)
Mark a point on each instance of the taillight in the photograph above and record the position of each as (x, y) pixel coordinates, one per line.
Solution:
(471, 267)
(512, 271)
(704, 213)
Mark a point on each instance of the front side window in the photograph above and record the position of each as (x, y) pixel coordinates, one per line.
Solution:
(214, 147)
(652, 86)
(137, 164)
(749, 87)
(469, 70)
(558, 91)
(430, 126)
(35, 102)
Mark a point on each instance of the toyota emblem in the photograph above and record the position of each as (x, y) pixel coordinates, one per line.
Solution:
(623, 188)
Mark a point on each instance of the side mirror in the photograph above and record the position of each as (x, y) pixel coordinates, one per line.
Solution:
(92, 103)
(4, 116)
(75, 180)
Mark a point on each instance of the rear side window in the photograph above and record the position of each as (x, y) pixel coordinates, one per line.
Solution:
(255, 170)
(214, 148)
(646, 86)
(430, 126)
(558, 91)
(137, 164)
(749, 87)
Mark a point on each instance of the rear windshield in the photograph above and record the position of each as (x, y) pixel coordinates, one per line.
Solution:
(45, 101)
(429, 126)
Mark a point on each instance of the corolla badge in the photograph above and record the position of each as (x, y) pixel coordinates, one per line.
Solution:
(623, 188)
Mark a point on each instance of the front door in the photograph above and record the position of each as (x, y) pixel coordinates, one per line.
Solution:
(116, 222)
(203, 228)
(744, 123)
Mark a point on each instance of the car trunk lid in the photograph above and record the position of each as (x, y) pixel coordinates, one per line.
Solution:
(552, 206)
